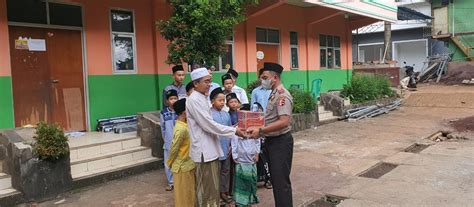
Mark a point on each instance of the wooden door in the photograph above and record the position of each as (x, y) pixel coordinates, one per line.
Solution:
(271, 54)
(55, 86)
(30, 80)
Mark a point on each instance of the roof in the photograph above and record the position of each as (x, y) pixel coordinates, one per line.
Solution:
(405, 13)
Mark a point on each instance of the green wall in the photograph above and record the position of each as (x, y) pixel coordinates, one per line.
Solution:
(6, 103)
(463, 15)
(120, 95)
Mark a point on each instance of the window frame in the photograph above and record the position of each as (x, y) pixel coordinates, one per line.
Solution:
(220, 67)
(266, 36)
(294, 46)
(48, 24)
(123, 34)
(334, 48)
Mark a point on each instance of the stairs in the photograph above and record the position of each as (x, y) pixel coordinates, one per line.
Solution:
(104, 156)
(325, 117)
(8, 195)
(464, 48)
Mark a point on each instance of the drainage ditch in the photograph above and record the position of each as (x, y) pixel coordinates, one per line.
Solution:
(378, 170)
(327, 201)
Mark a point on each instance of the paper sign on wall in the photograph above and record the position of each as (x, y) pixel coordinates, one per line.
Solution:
(21, 44)
(37, 45)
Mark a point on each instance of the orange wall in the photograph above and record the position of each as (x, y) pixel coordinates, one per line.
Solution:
(4, 43)
(287, 18)
(151, 47)
(97, 28)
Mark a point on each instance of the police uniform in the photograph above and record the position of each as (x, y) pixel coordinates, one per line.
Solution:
(279, 144)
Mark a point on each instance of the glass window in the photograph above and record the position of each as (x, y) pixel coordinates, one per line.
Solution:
(63, 14)
(330, 58)
(322, 58)
(337, 58)
(337, 41)
(293, 38)
(227, 58)
(123, 53)
(122, 21)
(273, 36)
(30, 11)
(322, 40)
(294, 57)
(330, 41)
(261, 35)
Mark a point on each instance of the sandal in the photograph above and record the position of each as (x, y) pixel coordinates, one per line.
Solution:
(169, 188)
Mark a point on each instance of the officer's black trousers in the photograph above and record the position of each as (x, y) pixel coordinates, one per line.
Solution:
(280, 155)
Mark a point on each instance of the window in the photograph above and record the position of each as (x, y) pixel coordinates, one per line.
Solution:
(370, 53)
(268, 36)
(123, 41)
(330, 51)
(294, 49)
(41, 12)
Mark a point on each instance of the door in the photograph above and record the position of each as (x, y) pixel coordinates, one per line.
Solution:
(48, 85)
(270, 52)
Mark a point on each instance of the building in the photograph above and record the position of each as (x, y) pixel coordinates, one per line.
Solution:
(452, 24)
(92, 59)
(411, 38)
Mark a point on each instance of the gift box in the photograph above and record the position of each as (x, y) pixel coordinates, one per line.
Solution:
(248, 119)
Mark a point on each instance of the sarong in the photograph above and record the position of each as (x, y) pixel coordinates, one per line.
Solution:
(184, 189)
(245, 186)
(207, 183)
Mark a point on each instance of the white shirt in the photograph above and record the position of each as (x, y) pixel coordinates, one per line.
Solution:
(203, 130)
(241, 94)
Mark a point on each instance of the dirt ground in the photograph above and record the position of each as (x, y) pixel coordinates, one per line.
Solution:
(457, 72)
(328, 160)
(464, 125)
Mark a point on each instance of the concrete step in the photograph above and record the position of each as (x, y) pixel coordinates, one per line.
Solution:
(321, 108)
(93, 164)
(95, 144)
(325, 115)
(10, 197)
(5, 181)
(115, 168)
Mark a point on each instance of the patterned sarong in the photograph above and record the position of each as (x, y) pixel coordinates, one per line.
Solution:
(245, 184)
(207, 184)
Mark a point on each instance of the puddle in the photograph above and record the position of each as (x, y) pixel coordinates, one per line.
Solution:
(416, 148)
(378, 170)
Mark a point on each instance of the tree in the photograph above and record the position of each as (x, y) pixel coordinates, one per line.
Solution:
(197, 29)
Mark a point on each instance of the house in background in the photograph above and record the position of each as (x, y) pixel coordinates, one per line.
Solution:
(93, 59)
(411, 39)
(453, 24)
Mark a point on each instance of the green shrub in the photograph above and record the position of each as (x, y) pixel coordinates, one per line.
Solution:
(302, 101)
(51, 143)
(363, 88)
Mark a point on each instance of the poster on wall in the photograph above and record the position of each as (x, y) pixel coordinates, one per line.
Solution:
(37, 45)
(21, 44)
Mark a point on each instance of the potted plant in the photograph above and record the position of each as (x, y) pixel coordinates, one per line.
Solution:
(48, 173)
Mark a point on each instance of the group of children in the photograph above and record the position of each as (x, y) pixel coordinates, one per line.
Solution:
(240, 155)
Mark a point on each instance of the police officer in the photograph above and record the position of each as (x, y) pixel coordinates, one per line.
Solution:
(278, 139)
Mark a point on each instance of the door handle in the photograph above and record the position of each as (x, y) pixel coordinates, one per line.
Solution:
(55, 81)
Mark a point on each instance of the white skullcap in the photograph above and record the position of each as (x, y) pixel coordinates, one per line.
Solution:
(199, 73)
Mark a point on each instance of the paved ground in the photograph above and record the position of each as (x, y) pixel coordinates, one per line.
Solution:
(328, 159)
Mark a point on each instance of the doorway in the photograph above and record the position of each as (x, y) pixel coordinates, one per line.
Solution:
(48, 85)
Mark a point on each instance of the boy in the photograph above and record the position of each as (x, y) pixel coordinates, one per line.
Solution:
(177, 85)
(234, 105)
(218, 101)
(181, 164)
(227, 83)
(245, 154)
(241, 93)
(167, 121)
(189, 88)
